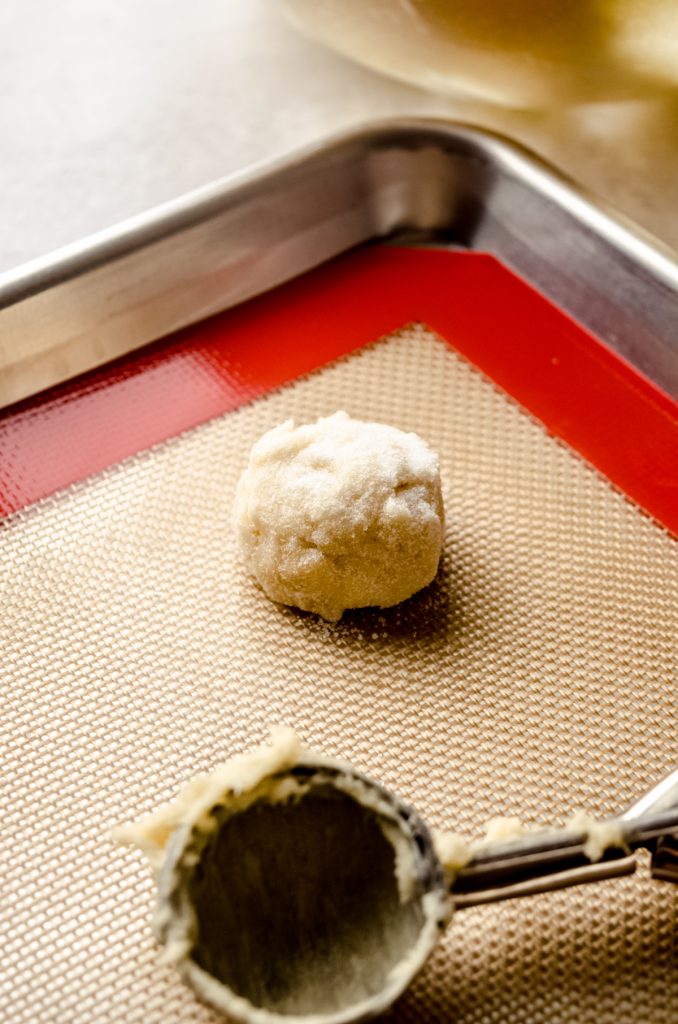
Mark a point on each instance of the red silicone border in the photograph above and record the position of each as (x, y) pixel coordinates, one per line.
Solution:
(578, 388)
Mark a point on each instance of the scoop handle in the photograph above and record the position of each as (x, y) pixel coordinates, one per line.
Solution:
(661, 797)
(665, 853)
(545, 861)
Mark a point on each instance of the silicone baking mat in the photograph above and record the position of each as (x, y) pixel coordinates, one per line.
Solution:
(534, 677)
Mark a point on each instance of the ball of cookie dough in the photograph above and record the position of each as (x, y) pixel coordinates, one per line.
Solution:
(340, 514)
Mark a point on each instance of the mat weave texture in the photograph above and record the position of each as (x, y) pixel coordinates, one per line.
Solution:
(537, 675)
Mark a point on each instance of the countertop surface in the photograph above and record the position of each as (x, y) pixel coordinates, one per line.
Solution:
(111, 108)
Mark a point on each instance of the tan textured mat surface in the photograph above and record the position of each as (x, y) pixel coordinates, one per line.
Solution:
(537, 675)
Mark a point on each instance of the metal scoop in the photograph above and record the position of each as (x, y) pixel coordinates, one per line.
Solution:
(321, 907)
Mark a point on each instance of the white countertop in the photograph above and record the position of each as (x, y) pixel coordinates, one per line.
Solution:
(109, 108)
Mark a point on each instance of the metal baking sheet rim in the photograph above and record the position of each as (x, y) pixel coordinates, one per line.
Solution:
(429, 181)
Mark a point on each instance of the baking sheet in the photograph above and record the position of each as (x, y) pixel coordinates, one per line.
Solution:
(535, 676)
(423, 180)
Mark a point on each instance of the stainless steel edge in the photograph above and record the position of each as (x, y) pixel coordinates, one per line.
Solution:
(218, 246)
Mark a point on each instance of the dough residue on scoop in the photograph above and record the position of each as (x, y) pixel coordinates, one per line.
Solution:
(599, 835)
(455, 851)
(237, 781)
(340, 514)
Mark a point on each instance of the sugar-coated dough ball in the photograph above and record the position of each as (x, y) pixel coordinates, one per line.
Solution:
(340, 514)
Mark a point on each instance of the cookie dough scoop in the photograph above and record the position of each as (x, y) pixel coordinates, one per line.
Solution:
(293, 889)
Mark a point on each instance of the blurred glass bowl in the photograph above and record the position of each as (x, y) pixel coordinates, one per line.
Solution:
(520, 53)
